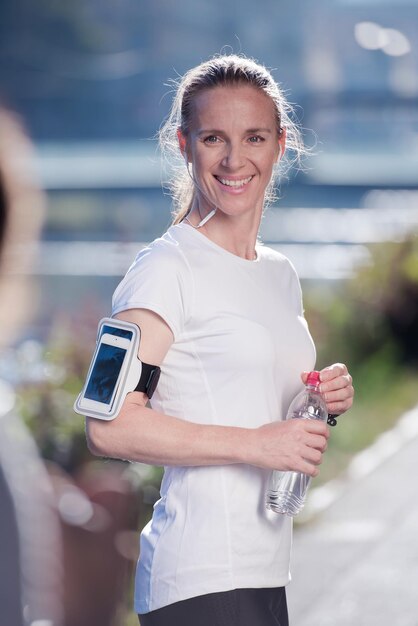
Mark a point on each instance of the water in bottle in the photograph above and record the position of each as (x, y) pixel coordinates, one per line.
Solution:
(287, 490)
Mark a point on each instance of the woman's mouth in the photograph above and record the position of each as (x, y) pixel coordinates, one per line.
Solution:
(235, 183)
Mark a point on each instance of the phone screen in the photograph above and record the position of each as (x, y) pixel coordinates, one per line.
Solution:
(119, 332)
(105, 373)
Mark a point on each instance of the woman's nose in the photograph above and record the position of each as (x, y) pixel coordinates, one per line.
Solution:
(233, 157)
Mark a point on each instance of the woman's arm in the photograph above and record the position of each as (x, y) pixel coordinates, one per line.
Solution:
(144, 435)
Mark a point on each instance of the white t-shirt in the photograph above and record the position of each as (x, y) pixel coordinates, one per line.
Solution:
(240, 344)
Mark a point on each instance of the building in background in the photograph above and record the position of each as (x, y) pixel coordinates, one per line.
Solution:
(91, 79)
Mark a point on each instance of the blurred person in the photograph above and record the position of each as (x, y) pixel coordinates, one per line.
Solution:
(64, 542)
(30, 567)
(222, 314)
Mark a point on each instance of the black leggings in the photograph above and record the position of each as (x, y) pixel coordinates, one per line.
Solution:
(239, 607)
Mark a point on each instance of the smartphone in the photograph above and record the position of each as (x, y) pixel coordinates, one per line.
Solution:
(114, 370)
(106, 371)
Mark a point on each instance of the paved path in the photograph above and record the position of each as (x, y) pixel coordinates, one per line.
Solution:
(356, 562)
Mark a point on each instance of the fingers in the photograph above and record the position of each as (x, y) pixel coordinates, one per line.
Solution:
(333, 371)
(313, 450)
(310, 442)
(313, 436)
(307, 468)
(338, 394)
(304, 377)
(316, 427)
(318, 443)
(307, 462)
(312, 455)
(337, 388)
(292, 445)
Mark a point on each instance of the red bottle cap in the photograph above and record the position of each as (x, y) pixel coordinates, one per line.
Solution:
(313, 378)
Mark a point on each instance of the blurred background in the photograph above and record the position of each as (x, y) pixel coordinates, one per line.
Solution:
(91, 82)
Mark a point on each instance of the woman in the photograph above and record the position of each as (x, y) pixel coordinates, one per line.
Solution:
(223, 316)
(30, 568)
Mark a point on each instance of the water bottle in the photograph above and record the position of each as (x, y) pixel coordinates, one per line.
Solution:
(287, 490)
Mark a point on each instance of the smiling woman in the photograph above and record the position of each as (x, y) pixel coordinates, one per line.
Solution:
(222, 315)
(232, 143)
(230, 72)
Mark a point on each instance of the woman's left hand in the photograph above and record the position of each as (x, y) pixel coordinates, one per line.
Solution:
(336, 388)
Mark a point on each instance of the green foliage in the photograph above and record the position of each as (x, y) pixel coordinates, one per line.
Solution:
(371, 324)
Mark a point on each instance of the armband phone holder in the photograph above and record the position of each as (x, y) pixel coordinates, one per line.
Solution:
(115, 370)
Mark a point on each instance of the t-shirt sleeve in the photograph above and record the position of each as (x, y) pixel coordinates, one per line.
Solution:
(158, 280)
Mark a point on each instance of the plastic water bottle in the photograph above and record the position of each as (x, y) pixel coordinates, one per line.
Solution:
(287, 490)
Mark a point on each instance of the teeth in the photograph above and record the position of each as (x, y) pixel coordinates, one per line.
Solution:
(234, 183)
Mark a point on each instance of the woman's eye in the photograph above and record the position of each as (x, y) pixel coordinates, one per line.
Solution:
(256, 139)
(211, 139)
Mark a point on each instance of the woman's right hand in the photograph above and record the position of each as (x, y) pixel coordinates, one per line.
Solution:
(295, 445)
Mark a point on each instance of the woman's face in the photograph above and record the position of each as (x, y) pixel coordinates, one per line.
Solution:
(233, 144)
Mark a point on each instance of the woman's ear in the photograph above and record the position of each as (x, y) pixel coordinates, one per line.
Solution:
(182, 144)
(282, 143)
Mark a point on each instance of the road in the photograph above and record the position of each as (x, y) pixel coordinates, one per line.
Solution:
(356, 561)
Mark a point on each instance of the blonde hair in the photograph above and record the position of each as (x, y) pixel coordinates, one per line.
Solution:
(222, 71)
